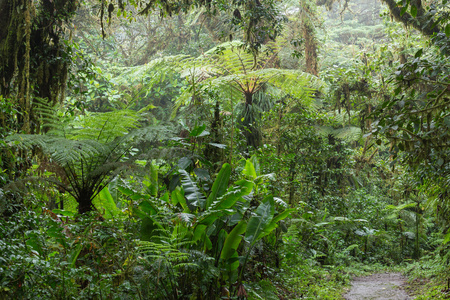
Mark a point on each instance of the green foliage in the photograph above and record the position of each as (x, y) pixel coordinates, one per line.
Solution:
(240, 77)
(414, 120)
(54, 256)
(218, 222)
(200, 215)
(87, 152)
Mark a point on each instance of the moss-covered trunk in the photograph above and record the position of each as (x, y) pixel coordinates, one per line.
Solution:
(309, 37)
(32, 58)
(34, 64)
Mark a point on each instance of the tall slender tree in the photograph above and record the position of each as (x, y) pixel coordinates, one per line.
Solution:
(307, 16)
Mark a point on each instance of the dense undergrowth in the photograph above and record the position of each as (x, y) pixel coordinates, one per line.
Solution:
(157, 160)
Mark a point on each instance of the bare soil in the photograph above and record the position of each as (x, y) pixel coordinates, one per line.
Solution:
(381, 286)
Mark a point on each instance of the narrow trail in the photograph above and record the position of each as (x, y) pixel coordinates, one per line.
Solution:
(381, 286)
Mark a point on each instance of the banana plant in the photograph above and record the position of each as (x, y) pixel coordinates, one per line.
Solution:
(214, 222)
(262, 223)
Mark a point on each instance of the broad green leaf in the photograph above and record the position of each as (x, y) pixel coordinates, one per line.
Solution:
(220, 185)
(419, 53)
(148, 207)
(233, 195)
(249, 169)
(221, 146)
(192, 193)
(184, 163)
(446, 238)
(75, 253)
(202, 174)
(126, 191)
(104, 201)
(198, 131)
(341, 219)
(260, 220)
(233, 240)
(211, 216)
(273, 224)
(148, 226)
(178, 197)
(228, 200)
(413, 10)
(255, 162)
(208, 244)
(403, 10)
(200, 230)
(220, 241)
(231, 266)
(165, 197)
(447, 30)
(246, 186)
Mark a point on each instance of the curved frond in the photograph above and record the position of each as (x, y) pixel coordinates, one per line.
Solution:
(191, 191)
(347, 133)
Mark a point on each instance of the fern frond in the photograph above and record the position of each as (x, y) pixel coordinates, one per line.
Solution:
(186, 265)
(47, 114)
(104, 127)
(343, 116)
(186, 217)
(231, 71)
(347, 133)
(61, 150)
(153, 71)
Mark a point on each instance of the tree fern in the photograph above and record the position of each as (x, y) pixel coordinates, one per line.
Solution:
(237, 76)
(103, 127)
(232, 71)
(89, 150)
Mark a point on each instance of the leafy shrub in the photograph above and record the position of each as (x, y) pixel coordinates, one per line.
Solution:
(49, 256)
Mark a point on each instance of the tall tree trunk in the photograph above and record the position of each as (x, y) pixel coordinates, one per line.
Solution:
(31, 52)
(32, 62)
(309, 37)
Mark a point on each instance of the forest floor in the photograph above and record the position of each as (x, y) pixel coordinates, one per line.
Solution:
(378, 286)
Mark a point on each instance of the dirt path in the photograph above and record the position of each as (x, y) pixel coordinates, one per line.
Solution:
(378, 286)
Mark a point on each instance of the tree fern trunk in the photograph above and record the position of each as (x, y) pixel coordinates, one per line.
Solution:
(85, 202)
(292, 174)
(249, 124)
